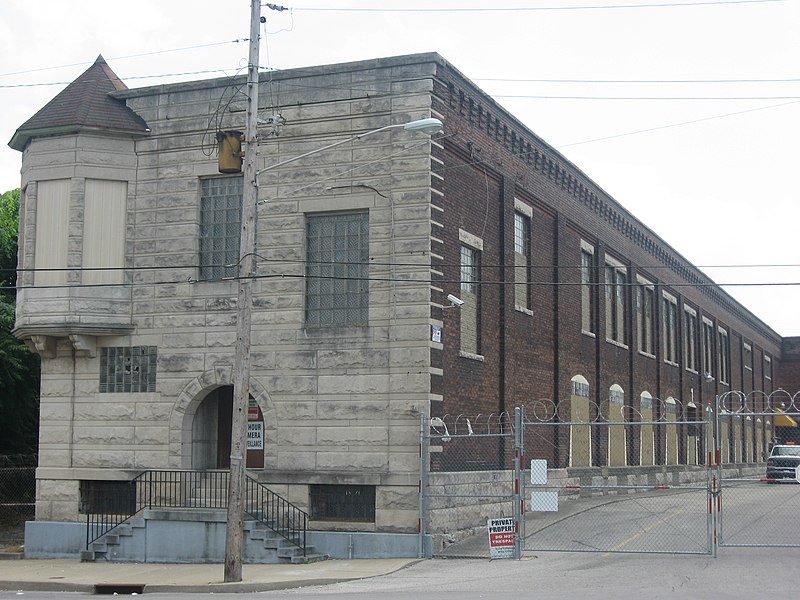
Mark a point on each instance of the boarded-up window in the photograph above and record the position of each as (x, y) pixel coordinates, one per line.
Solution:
(105, 207)
(52, 225)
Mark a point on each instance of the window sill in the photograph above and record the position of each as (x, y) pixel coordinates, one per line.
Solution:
(471, 356)
(588, 333)
(616, 343)
(326, 332)
(523, 310)
(647, 354)
(672, 364)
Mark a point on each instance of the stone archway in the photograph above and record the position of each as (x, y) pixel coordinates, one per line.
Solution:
(192, 399)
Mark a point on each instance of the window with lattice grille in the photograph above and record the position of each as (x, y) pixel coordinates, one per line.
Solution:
(128, 369)
(342, 502)
(337, 271)
(220, 226)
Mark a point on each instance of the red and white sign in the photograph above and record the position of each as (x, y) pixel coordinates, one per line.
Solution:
(252, 411)
(501, 538)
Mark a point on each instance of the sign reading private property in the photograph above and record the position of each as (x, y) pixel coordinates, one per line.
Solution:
(501, 538)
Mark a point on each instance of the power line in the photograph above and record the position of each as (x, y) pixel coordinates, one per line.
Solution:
(161, 76)
(645, 81)
(78, 64)
(640, 98)
(681, 124)
(373, 263)
(539, 8)
(396, 280)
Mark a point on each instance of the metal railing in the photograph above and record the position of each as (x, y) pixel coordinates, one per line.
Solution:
(111, 507)
(276, 513)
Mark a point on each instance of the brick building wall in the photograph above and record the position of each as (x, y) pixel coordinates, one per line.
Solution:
(489, 161)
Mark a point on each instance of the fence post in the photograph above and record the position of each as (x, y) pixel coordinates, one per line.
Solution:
(519, 494)
(424, 431)
(712, 466)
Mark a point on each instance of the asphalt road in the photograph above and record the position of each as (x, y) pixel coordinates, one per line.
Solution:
(608, 532)
(736, 574)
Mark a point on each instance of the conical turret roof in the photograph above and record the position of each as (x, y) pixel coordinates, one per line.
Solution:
(85, 104)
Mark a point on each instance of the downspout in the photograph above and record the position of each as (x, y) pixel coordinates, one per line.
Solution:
(501, 316)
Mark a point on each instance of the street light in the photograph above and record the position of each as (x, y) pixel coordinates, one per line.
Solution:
(429, 126)
(234, 540)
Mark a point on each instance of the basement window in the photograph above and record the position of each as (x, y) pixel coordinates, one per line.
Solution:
(107, 497)
(343, 503)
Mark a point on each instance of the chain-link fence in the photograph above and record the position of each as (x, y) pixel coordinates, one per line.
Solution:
(758, 510)
(665, 477)
(17, 496)
(467, 479)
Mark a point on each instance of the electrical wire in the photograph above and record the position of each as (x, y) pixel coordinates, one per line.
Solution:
(396, 280)
(540, 8)
(671, 125)
(628, 81)
(156, 52)
(641, 98)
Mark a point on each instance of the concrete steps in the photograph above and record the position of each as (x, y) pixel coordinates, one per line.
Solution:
(99, 549)
(285, 550)
(262, 545)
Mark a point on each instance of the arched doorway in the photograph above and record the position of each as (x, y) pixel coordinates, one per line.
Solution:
(211, 432)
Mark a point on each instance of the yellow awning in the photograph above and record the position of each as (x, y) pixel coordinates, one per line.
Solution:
(784, 420)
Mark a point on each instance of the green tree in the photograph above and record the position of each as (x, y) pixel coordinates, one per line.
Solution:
(19, 368)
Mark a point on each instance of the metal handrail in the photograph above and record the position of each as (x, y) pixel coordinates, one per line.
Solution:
(276, 513)
(194, 489)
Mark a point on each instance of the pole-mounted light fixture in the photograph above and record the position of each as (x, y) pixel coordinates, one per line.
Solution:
(429, 126)
(234, 543)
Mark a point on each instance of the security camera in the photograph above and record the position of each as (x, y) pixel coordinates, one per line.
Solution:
(455, 300)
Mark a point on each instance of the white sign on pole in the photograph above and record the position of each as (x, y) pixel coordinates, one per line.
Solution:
(538, 471)
(542, 501)
(501, 538)
(255, 435)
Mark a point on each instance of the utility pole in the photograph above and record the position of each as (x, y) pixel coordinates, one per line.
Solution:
(234, 538)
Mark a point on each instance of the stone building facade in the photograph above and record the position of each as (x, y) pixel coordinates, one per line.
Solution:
(128, 244)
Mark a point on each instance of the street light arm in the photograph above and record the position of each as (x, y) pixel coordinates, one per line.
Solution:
(429, 126)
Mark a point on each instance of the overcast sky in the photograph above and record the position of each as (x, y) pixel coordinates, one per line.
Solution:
(687, 112)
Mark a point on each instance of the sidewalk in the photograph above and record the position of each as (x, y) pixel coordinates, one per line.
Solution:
(71, 575)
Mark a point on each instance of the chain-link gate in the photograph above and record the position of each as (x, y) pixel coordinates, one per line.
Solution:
(758, 510)
(600, 487)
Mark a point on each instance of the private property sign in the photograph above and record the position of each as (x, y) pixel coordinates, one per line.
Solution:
(501, 538)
